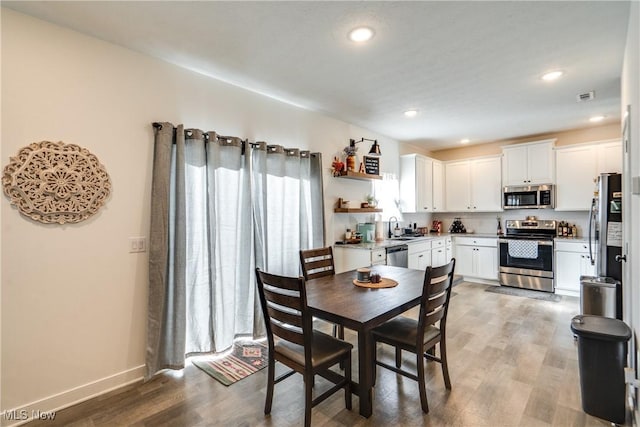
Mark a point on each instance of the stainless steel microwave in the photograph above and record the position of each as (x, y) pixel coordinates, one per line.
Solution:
(529, 197)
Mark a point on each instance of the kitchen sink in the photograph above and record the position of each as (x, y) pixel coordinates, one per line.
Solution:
(403, 238)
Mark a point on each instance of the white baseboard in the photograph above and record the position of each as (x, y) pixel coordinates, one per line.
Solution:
(47, 407)
(567, 293)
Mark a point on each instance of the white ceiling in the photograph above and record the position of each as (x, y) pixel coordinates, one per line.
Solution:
(472, 69)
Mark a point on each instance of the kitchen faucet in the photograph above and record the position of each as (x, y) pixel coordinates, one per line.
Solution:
(396, 220)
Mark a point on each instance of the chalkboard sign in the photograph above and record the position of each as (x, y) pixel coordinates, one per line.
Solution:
(372, 165)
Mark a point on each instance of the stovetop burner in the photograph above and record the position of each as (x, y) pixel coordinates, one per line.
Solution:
(530, 228)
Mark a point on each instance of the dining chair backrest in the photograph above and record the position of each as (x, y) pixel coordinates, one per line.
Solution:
(284, 306)
(317, 263)
(436, 293)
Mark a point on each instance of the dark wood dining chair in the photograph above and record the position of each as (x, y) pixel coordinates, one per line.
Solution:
(421, 336)
(294, 343)
(319, 263)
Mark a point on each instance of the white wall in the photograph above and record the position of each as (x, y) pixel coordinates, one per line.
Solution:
(631, 96)
(1, 245)
(73, 299)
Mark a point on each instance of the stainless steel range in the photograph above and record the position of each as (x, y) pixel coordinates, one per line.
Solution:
(526, 254)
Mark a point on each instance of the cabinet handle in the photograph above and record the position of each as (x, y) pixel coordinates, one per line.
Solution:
(420, 256)
(468, 207)
(475, 207)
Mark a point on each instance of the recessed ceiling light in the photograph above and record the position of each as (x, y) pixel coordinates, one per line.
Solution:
(552, 75)
(596, 119)
(361, 34)
(411, 113)
(465, 141)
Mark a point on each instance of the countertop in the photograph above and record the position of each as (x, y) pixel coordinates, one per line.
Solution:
(573, 239)
(387, 243)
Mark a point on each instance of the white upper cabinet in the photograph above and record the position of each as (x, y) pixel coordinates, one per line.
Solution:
(438, 186)
(420, 184)
(609, 155)
(574, 178)
(457, 186)
(528, 164)
(577, 168)
(473, 185)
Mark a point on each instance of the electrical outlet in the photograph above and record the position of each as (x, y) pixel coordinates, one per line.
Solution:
(137, 244)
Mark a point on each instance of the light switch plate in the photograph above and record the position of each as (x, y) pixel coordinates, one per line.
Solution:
(137, 244)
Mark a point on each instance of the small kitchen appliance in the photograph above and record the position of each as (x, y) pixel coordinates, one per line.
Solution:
(368, 231)
(529, 197)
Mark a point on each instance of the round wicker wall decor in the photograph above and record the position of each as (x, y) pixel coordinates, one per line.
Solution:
(54, 182)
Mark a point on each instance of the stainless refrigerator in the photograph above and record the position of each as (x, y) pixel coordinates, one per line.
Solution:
(602, 294)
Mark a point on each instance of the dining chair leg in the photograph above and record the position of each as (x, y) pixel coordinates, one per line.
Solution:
(347, 387)
(270, 385)
(308, 384)
(398, 357)
(422, 384)
(338, 331)
(443, 361)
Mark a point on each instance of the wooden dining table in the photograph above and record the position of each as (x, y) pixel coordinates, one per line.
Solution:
(337, 300)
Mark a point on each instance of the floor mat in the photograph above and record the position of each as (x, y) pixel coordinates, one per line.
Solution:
(245, 359)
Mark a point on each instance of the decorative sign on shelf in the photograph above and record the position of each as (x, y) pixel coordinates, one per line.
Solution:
(372, 165)
(54, 182)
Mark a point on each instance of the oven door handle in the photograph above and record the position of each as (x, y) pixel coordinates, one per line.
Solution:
(540, 242)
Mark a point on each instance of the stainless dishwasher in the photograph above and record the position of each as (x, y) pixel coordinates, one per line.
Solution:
(398, 256)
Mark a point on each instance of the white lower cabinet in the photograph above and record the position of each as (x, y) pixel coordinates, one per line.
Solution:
(419, 255)
(438, 253)
(477, 257)
(379, 256)
(346, 259)
(572, 261)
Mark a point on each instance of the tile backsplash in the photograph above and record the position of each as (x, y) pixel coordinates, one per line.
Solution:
(478, 222)
(486, 222)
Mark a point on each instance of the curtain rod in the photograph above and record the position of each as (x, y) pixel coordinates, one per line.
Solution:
(158, 126)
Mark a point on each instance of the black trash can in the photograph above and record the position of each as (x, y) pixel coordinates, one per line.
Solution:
(602, 356)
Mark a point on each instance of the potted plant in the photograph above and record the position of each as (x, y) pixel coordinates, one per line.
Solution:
(372, 202)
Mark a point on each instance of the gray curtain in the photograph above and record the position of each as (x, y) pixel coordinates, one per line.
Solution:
(219, 208)
(287, 206)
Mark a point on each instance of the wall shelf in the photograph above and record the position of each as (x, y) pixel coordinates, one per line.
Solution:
(358, 175)
(357, 210)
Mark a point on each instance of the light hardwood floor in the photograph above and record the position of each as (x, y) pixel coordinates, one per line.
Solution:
(512, 361)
